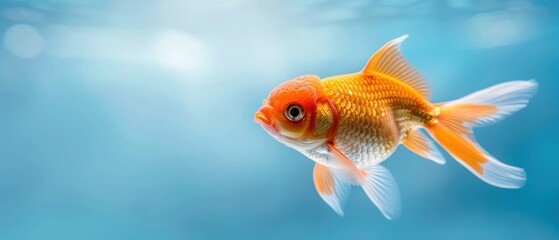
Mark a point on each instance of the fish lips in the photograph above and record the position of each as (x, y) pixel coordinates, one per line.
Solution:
(263, 116)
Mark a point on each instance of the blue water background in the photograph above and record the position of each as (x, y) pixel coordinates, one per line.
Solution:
(134, 119)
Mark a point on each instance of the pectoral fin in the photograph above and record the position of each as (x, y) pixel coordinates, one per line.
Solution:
(332, 190)
(348, 172)
(376, 181)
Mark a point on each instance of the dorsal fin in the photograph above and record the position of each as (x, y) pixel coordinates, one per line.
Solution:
(389, 61)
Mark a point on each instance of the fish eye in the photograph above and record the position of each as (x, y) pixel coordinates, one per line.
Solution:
(294, 112)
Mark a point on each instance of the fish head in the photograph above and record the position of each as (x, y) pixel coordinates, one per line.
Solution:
(289, 112)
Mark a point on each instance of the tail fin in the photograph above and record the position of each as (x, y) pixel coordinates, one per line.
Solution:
(453, 129)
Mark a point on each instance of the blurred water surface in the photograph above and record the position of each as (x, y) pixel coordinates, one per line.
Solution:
(134, 119)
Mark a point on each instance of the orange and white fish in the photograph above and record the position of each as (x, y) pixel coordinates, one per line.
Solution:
(349, 124)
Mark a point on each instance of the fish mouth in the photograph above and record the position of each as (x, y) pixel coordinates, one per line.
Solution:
(262, 116)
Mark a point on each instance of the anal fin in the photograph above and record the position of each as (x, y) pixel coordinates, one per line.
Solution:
(421, 145)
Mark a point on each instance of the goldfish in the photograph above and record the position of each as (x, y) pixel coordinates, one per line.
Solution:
(349, 124)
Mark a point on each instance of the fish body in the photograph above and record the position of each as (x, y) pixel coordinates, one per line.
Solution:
(376, 112)
(349, 124)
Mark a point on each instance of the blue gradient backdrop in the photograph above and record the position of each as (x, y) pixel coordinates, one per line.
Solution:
(134, 119)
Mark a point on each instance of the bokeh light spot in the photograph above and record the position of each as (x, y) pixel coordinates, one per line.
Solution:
(23, 41)
(181, 51)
